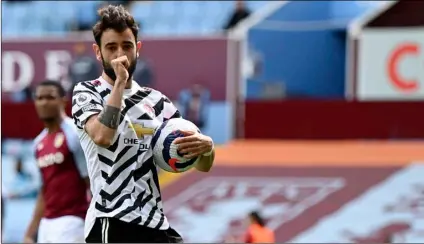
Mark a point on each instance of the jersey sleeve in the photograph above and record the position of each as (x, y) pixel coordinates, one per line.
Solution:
(86, 102)
(37, 180)
(75, 147)
(170, 111)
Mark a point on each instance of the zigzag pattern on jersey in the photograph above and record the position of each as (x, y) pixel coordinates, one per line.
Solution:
(121, 161)
(91, 89)
(142, 199)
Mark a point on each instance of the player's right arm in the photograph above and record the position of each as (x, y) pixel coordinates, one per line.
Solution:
(36, 218)
(101, 125)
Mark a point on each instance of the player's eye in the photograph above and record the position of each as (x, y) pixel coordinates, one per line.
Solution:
(111, 48)
(45, 97)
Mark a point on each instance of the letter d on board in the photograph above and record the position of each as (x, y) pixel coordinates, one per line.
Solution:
(25, 73)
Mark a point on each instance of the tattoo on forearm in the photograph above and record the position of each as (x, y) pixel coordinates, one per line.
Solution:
(110, 117)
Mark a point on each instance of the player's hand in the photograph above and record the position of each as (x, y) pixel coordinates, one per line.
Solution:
(193, 144)
(28, 239)
(120, 66)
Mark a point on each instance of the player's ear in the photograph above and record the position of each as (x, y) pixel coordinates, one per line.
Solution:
(96, 50)
(139, 44)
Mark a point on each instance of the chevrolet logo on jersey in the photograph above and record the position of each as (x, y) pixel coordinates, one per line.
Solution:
(140, 130)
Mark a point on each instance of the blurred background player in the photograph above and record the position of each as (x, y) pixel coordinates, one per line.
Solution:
(62, 202)
(194, 104)
(240, 13)
(257, 231)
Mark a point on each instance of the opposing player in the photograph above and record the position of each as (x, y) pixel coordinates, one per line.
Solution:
(62, 202)
(115, 118)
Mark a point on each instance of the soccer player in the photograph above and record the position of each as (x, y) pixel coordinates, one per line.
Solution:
(257, 231)
(63, 200)
(115, 118)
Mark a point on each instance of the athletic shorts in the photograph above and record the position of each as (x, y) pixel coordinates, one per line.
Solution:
(111, 230)
(65, 229)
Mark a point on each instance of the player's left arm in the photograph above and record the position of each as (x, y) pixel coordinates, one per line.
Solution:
(206, 162)
(194, 144)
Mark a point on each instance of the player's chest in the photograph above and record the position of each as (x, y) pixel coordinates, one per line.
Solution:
(141, 119)
(51, 150)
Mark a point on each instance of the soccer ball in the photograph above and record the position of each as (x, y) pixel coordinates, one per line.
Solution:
(165, 153)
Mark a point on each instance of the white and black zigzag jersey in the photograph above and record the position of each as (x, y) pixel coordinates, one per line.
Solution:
(124, 180)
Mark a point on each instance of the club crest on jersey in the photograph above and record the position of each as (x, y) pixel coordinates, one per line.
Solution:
(83, 99)
(149, 110)
(58, 140)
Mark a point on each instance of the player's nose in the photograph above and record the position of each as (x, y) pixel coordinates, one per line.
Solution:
(42, 102)
(120, 52)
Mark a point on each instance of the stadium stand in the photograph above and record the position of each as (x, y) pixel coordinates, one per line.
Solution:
(157, 18)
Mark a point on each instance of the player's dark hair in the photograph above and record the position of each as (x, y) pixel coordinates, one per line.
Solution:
(54, 83)
(116, 18)
(257, 218)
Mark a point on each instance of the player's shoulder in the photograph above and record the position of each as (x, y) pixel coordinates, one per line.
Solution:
(144, 88)
(70, 131)
(90, 85)
(40, 136)
(153, 92)
(95, 87)
(68, 125)
(86, 91)
(148, 92)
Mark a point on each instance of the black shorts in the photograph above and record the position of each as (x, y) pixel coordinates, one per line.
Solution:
(111, 230)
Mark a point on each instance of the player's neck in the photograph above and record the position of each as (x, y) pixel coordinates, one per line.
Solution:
(112, 82)
(53, 126)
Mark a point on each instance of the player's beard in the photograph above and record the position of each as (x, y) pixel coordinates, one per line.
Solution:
(107, 67)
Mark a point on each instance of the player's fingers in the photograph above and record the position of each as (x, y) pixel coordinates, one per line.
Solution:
(187, 132)
(189, 150)
(117, 60)
(191, 155)
(123, 59)
(197, 151)
(185, 139)
(187, 145)
(126, 62)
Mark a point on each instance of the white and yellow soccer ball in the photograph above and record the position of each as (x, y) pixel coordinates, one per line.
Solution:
(165, 152)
